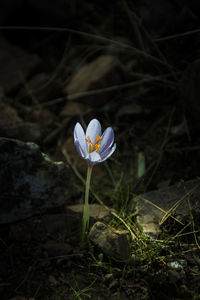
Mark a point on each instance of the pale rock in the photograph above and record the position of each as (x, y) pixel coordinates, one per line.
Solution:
(110, 241)
(105, 71)
(152, 207)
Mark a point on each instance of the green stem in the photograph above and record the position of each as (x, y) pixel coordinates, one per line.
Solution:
(86, 208)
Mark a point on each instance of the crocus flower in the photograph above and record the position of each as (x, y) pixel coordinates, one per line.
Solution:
(93, 146)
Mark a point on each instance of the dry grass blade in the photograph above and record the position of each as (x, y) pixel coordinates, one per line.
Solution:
(133, 234)
(175, 36)
(159, 208)
(178, 202)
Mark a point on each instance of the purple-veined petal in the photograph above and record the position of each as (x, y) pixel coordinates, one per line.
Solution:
(79, 136)
(107, 153)
(93, 158)
(83, 146)
(79, 149)
(93, 130)
(107, 140)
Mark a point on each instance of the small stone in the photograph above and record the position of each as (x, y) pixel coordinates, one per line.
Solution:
(108, 277)
(112, 242)
(114, 284)
(177, 265)
(52, 280)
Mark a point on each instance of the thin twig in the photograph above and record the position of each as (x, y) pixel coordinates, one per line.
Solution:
(89, 35)
(116, 87)
(178, 35)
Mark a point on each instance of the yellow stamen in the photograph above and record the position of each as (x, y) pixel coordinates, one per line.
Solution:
(96, 145)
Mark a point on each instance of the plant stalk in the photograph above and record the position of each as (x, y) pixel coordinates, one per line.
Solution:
(86, 208)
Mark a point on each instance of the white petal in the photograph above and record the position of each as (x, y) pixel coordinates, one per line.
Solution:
(93, 130)
(79, 149)
(79, 136)
(108, 153)
(107, 141)
(93, 158)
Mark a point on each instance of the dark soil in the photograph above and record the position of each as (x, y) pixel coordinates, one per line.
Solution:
(158, 45)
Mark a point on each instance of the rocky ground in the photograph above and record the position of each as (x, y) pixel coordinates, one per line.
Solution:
(137, 71)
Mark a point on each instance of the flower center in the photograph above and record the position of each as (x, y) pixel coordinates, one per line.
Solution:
(96, 145)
